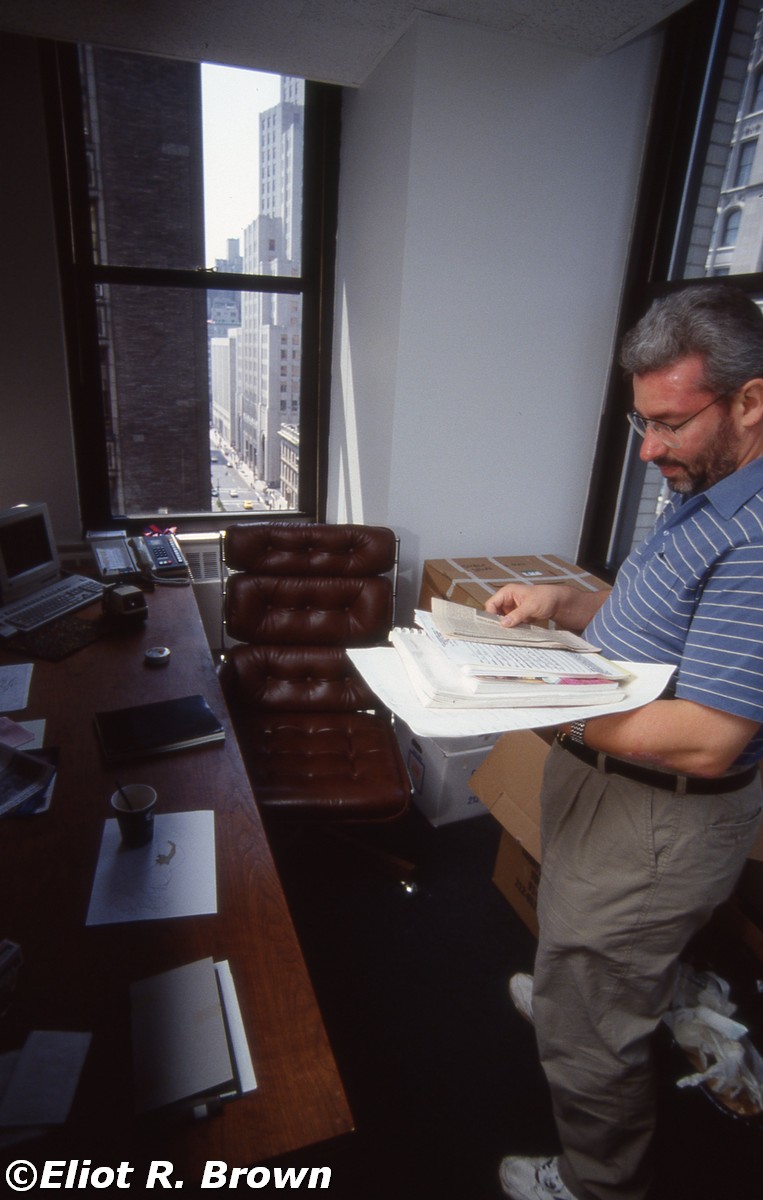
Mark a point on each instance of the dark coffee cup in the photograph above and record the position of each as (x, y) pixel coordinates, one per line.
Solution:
(134, 805)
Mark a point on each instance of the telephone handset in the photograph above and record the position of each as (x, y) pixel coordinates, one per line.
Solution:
(157, 558)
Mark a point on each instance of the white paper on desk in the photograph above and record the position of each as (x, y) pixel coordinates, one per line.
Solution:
(14, 686)
(174, 876)
(44, 1078)
(9, 1134)
(37, 731)
(385, 674)
(14, 734)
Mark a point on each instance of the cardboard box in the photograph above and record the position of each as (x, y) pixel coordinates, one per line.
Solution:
(440, 770)
(508, 782)
(473, 580)
(516, 875)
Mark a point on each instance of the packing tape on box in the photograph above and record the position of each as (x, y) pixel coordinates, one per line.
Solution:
(489, 584)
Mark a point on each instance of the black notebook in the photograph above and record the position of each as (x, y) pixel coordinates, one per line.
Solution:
(158, 728)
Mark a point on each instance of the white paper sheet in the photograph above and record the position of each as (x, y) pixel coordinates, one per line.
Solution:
(37, 730)
(174, 876)
(13, 733)
(14, 686)
(44, 1078)
(386, 676)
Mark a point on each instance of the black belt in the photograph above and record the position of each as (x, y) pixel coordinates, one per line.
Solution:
(659, 779)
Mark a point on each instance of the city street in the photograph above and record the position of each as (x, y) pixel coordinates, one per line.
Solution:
(233, 490)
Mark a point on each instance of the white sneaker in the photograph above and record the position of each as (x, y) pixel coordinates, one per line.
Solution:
(532, 1179)
(521, 992)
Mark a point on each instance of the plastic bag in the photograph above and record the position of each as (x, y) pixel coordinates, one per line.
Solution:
(702, 1023)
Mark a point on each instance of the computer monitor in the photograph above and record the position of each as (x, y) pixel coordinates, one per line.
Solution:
(28, 554)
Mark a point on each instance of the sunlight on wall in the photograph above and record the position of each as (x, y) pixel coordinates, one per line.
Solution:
(348, 501)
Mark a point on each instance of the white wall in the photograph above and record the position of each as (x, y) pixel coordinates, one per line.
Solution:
(486, 200)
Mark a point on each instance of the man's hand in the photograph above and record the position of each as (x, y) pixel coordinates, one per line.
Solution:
(570, 608)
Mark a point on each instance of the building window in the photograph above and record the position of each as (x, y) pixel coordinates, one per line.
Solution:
(179, 290)
(702, 172)
(745, 160)
(730, 228)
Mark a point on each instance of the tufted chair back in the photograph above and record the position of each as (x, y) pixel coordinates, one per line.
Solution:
(297, 596)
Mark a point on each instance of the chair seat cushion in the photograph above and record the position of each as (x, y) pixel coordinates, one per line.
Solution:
(335, 765)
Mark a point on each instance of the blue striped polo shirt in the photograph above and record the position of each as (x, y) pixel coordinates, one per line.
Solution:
(692, 594)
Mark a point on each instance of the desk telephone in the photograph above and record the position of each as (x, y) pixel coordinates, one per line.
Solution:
(158, 557)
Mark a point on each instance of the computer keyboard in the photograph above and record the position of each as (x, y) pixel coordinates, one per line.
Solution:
(73, 592)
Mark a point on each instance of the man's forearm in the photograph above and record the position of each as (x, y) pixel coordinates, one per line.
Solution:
(673, 735)
(576, 608)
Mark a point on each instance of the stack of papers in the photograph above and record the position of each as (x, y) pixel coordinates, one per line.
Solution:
(429, 711)
(506, 671)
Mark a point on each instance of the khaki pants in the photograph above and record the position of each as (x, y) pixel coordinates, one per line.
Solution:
(629, 873)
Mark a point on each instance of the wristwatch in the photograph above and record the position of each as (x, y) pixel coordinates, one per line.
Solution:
(576, 733)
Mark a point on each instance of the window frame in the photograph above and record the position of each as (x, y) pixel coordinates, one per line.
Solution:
(80, 275)
(696, 43)
(756, 102)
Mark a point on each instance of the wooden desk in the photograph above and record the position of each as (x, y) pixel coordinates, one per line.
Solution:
(77, 978)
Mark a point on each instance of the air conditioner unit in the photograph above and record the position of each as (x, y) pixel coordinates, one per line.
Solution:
(204, 555)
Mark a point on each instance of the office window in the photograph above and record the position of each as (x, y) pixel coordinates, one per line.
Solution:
(182, 276)
(700, 216)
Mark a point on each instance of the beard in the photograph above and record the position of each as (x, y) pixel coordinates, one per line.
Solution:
(700, 473)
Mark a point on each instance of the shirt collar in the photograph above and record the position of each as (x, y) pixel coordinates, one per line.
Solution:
(729, 494)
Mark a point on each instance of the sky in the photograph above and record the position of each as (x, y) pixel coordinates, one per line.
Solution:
(232, 101)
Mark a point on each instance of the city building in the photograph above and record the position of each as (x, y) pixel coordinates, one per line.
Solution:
(289, 487)
(122, 94)
(736, 245)
(272, 322)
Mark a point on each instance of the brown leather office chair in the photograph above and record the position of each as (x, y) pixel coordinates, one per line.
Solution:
(311, 732)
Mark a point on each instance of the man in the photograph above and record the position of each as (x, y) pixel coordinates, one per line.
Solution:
(648, 816)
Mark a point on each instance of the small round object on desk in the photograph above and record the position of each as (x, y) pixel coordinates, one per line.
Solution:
(157, 656)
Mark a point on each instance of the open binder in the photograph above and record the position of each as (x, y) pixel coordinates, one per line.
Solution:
(189, 1043)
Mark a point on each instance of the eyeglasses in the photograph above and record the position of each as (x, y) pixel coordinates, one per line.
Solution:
(666, 433)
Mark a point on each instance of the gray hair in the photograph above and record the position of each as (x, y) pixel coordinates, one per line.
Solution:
(720, 323)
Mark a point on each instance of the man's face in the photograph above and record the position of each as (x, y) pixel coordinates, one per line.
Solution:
(710, 445)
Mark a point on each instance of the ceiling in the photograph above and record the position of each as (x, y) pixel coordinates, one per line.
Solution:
(334, 41)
